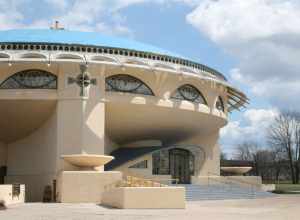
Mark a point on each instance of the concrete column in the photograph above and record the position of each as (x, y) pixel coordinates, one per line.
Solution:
(81, 120)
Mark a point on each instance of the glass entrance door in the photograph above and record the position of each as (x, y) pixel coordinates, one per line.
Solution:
(180, 166)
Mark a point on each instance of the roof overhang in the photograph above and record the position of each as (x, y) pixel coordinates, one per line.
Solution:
(236, 98)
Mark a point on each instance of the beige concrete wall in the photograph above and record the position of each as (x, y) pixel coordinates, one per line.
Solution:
(84, 186)
(110, 146)
(3, 154)
(210, 162)
(145, 198)
(32, 160)
(7, 196)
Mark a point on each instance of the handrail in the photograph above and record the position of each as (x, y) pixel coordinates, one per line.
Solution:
(216, 180)
(243, 182)
(231, 180)
(176, 180)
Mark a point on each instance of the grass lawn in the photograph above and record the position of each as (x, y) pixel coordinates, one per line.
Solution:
(288, 188)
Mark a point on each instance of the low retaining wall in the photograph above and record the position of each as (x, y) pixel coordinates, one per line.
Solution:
(6, 195)
(145, 198)
(84, 186)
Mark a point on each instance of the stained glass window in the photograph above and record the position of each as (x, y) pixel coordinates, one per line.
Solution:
(127, 84)
(160, 163)
(220, 104)
(189, 93)
(30, 79)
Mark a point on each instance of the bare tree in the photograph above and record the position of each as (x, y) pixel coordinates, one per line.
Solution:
(247, 151)
(266, 161)
(281, 136)
(297, 145)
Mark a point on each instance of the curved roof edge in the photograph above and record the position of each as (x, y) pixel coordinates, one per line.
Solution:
(94, 39)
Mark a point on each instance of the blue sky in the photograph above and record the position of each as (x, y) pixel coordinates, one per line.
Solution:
(255, 43)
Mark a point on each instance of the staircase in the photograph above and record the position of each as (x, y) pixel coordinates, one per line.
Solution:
(222, 192)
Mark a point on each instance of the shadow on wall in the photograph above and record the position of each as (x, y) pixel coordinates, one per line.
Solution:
(3, 170)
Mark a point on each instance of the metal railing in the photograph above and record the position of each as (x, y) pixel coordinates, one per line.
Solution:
(164, 181)
(230, 181)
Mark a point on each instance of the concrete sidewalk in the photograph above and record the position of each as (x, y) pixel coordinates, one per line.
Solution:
(281, 207)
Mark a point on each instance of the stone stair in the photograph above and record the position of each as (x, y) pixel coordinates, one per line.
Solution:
(222, 192)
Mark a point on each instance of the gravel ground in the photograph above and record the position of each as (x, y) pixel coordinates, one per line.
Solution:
(281, 207)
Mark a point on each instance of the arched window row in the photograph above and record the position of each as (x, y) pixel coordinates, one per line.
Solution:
(30, 79)
(40, 79)
(127, 84)
(189, 93)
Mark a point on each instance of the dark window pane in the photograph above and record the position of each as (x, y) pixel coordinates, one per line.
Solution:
(189, 93)
(30, 79)
(127, 84)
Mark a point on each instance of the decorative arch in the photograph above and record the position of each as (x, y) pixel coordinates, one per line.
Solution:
(104, 59)
(30, 79)
(69, 56)
(220, 104)
(33, 56)
(127, 84)
(4, 55)
(189, 93)
(135, 62)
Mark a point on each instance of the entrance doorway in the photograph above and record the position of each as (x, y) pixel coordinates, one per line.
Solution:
(180, 165)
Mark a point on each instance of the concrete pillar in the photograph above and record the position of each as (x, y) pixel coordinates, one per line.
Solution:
(81, 120)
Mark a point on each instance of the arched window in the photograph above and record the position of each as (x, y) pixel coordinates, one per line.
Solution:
(128, 84)
(189, 93)
(31, 79)
(220, 104)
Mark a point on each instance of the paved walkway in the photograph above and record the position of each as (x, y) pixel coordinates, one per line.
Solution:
(282, 207)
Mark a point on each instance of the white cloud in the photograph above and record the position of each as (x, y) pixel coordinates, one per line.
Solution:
(252, 126)
(58, 4)
(263, 35)
(89, 15)
(10, 16)
(245, 20)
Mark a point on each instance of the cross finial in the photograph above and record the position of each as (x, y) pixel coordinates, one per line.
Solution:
(56, 26)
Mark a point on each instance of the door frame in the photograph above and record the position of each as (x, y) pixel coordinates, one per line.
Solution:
(185, 175)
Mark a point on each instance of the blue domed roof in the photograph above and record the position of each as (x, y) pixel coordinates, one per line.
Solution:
(77, 38)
